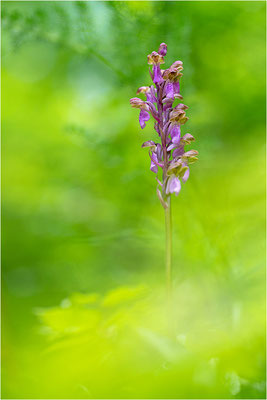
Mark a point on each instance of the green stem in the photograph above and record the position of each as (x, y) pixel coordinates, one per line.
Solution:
(168, 232)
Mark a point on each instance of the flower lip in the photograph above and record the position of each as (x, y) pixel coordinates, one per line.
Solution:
(175, 132)
(155, 58)
(173, 185)
(143, 117)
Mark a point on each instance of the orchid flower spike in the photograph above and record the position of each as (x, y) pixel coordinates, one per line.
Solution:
(168, 156)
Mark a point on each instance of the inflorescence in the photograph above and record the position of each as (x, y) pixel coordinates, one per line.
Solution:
(169, 155)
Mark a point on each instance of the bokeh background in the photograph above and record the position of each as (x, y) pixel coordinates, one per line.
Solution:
(84, 310)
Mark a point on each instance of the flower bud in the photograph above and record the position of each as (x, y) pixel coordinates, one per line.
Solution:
(143, 89)
(187, 139)
(190, 156)
(177, 64)
(167, 100)
(181, 106)
(155, 58)
(138, 103)
(162, 49)
(178, 96)
(150, 144)
(191, 153)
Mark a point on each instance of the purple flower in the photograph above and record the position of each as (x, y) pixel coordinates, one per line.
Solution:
(149, 92)
(175, 132)
(143, 117)
(153, 167)
(157, 78)
(186, 175)
(187, 139)
(155, 162)
(150, 144)
(156, 59)
(169, 155)
(169, 90)
(178, 151)
(173, 185)
(176, 88)
(138, 103)
(144, 108)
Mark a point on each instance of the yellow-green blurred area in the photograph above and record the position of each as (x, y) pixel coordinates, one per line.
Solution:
(84, 311)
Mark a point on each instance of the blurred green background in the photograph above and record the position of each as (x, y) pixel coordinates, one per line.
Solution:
(83, 294)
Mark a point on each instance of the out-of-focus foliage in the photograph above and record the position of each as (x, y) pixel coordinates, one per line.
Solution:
(83, 305)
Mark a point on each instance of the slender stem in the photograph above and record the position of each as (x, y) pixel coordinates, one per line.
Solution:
(168, 233)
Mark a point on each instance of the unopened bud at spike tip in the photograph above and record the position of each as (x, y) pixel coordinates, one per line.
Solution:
(162, 49)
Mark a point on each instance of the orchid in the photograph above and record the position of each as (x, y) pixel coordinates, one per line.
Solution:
(169, 155)
(168, 118)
